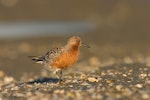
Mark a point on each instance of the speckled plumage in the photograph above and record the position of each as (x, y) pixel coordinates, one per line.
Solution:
(61, 57)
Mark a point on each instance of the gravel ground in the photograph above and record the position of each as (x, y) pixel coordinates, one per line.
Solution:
(115, 82)
(101, 77)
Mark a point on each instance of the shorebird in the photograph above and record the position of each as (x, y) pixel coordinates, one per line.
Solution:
(63, 57)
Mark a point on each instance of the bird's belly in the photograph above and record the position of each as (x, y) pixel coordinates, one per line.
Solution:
(65, 60)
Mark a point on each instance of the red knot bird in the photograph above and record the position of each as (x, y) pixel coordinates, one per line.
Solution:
(62, 57)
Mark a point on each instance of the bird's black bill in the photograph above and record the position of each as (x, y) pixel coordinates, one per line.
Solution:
(85, 45)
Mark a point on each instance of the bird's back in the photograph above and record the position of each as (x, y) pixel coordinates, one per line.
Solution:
(53, 53)
(49, 56)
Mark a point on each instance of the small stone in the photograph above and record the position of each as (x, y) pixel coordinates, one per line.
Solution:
(111, 84)
(103, 73)
(139, 85)
(142, 76)
(15, 88)
(59, 91)
(68, 81)
(119, 87)
(70, 85)
(8, 79)
(124, 75)
(130, 71)
(145, 96)
(84, 84)
(92, 79)
(109, 81)
(83, 76)
(29, 86)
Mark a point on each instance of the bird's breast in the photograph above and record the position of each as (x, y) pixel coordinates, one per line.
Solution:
(66, 59)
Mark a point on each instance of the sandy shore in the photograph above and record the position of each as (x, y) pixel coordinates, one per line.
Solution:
(109, 70)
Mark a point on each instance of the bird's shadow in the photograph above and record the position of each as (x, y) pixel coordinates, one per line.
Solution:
(44, 80)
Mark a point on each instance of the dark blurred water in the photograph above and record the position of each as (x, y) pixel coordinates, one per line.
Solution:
(37, 28)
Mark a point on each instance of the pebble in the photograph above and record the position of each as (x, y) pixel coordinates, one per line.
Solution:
(15, 88)
(124, 75)
(83, 76)
(139, 85)
(59, 91)
(92, 79)
(119, 87)
(8, 79)
(103, 73)
(109, 84)
(109, 81)
(145, 96)
(68, 80)
(84, 84)
(142, 76)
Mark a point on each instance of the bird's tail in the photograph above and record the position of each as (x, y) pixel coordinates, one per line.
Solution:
(37, 59)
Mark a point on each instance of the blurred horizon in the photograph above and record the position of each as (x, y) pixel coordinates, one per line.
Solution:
(33, 29)
(113, 18)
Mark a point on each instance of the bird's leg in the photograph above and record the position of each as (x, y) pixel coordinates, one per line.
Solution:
(59, 74)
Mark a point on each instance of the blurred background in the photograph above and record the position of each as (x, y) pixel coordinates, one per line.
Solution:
(115, 29)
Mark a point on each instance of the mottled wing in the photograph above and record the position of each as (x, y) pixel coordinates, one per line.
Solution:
(53, 53)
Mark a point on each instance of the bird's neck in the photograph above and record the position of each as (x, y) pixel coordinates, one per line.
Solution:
(73, 47)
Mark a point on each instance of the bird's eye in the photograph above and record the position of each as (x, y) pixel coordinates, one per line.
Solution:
(78, 40)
